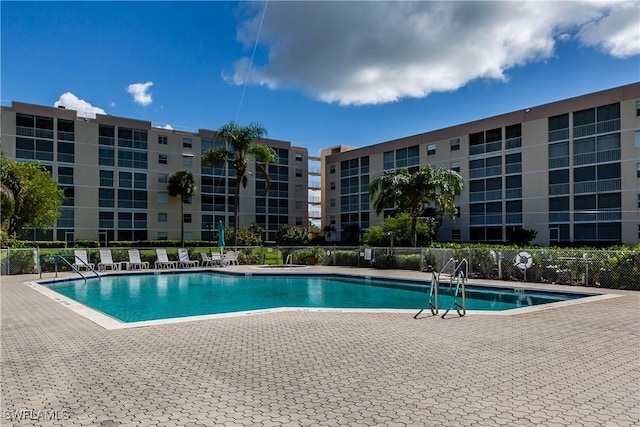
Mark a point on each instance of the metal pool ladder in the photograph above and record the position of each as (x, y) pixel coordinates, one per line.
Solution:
(289, 261)
(459, 276)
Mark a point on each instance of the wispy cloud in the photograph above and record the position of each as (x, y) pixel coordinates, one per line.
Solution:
(356, 53)
(140, 93)
(72, 102)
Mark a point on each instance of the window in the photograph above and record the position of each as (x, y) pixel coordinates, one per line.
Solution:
(162, 235)
(162, 139)
(298, 157)
(162, 217)
(388, 160)
(332, 185)
(455, 144)
(332, 220)
(455, 166)
(105, 220)
(106, 197)
(187, 161)
(332, 202)
(431, 149)
(125, 180)
(162, 197)
(332, 168)
(298, 188)
(455, 234)
(637, 108)
(298, 220)
(163, 178)
(638, 200)
(298, 173)
(187, 143)
(106, 178)
(638, 170)
(186, 218)
(298, 204)
(162, 159)
(637, 139)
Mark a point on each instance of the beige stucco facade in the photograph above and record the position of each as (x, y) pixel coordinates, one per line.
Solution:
(518, 151)
(114, 172)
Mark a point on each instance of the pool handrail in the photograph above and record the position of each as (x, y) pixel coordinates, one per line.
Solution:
(460, 276)
(72, 266)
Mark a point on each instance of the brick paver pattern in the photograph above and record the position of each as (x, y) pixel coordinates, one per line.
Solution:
(567, 366)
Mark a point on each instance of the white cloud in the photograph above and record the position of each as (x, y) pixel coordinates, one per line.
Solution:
(70, 101)
(140, 94)
(355, 53)
(616, 32)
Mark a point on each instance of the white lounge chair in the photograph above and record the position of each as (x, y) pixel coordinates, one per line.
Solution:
(217, 260)
(106, 262)
(230, 258)
(82, 261)
(184, 261)
(163, 260)
(207, 261)
(135, 263)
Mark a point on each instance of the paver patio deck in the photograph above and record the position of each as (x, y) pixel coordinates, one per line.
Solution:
(567, 366)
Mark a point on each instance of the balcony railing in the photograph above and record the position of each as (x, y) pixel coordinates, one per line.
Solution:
(513, 193)
(558, 162)
(476, 173)
(597, 216)
(476, 149)
(513, 218)
(513, 143)
(558, 189)
(493, 170)
(558, 135)
(494, 195)
(512, 168)
(477, 197)
(558, 217)
(493, 146)
(600, 186)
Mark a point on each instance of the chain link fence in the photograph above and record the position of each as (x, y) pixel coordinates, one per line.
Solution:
(615, 269)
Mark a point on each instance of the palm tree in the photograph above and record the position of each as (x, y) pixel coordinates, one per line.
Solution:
(413, 192)
(242, 143)
(182, 183)
(10, 186)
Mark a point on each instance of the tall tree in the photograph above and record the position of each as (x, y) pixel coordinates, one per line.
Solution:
(182, 183)
(242, 145)
(413, 192)
(36, 197)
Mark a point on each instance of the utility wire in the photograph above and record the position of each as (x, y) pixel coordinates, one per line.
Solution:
(255, 46)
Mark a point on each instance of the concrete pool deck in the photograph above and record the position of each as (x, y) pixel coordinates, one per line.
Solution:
(565, 366)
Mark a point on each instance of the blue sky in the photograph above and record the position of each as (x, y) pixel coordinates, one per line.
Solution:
(321, 73)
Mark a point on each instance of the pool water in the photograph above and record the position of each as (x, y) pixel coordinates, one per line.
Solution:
(140, 297)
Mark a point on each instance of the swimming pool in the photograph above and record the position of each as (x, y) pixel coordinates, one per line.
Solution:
(145, 297)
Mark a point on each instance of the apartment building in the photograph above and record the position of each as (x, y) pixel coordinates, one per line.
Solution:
(569, 170)
(114, 173)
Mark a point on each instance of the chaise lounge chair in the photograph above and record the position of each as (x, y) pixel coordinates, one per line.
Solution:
(135, 263)
(106, 262)
(183, 256)
(207, 261)
(230, 258)
(163, 260)
(81, 261)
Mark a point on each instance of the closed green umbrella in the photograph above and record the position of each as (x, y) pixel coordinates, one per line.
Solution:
(220, 235)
